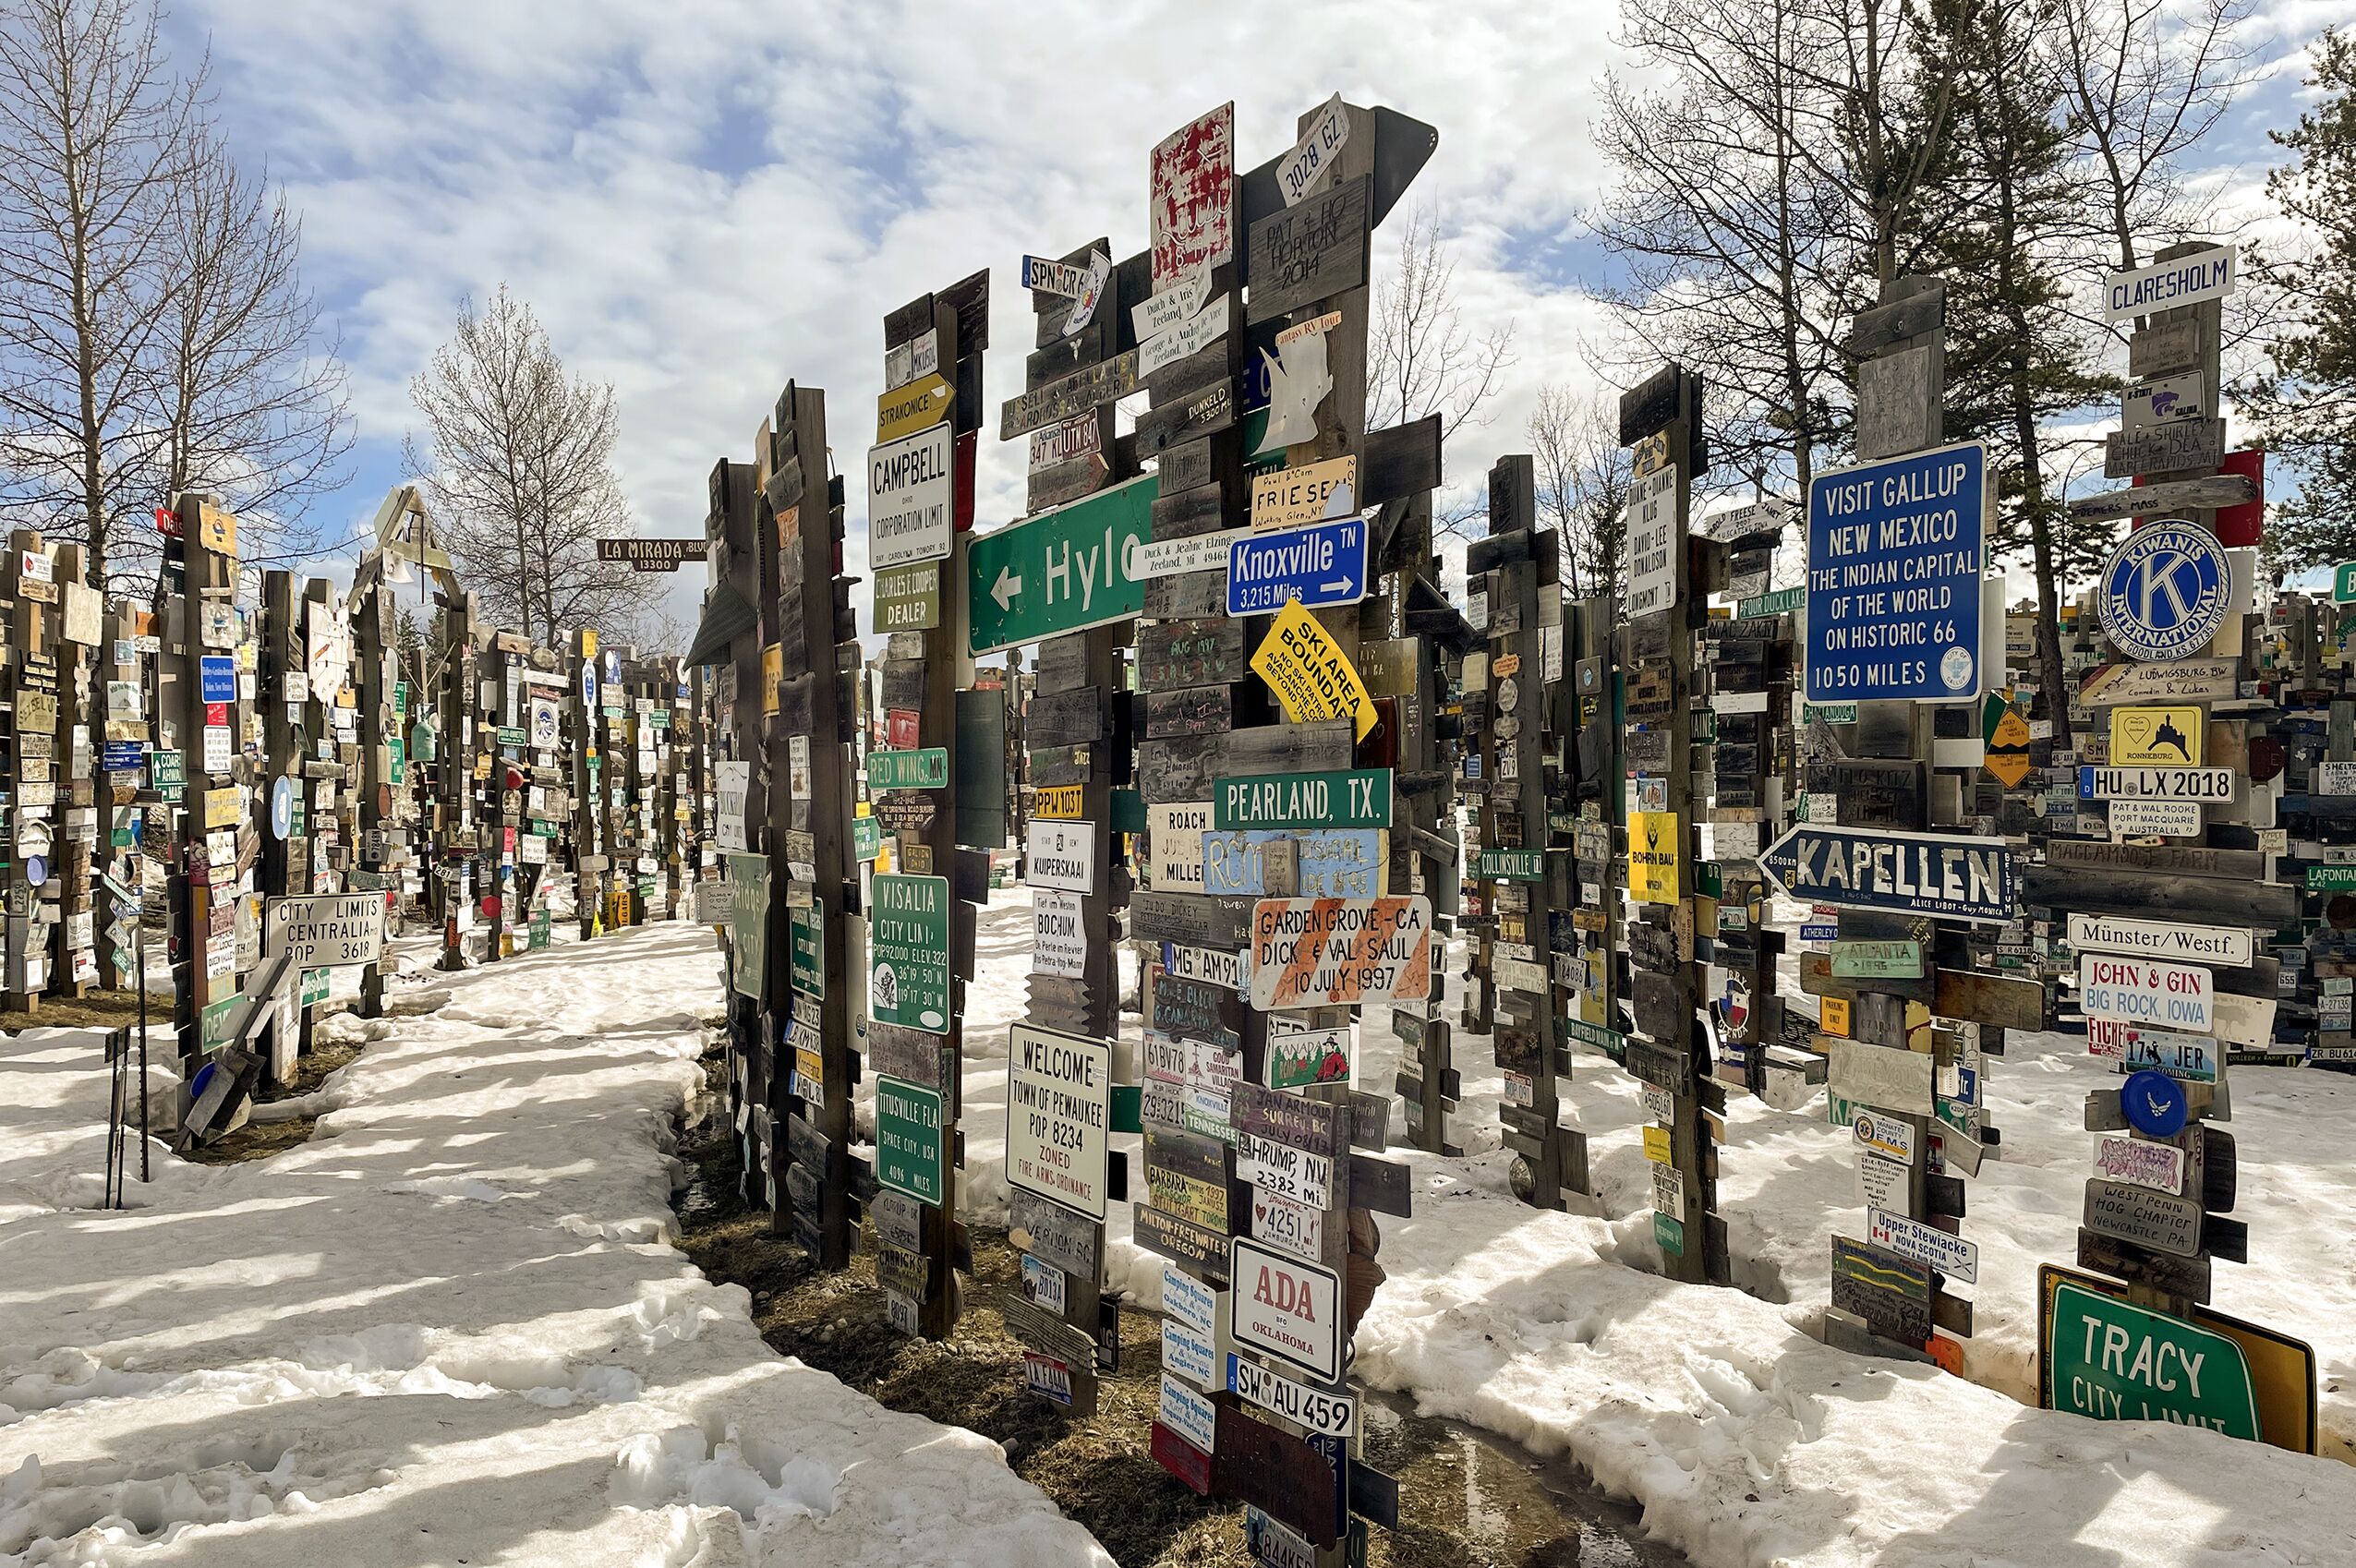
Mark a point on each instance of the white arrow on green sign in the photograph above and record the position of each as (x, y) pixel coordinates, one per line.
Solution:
(2343, 583)
(1062, 570)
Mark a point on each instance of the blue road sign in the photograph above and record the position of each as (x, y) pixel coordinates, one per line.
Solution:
(1320, 565)
(125, 757)
(217, 678)
(1873, 868)
(1896, 552)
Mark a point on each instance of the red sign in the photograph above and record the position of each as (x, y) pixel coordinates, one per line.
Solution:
(2240, 525)
(1181, 1459)
(900, 726)
(1192, 173)
(216, 713)
(167, 522)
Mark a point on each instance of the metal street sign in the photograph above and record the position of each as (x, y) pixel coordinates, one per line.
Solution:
(1062, 570)
(1320, 565)
(2227, 946)
(924, 769)
(2118, 1362)
(1896, 555)
(908, 598)
(1319, 952)
(907, 1140)
(1920, 874)
(333, 930)
(1059, 1097)
(1286, 1306)
(653, 555)
(911, 499)
(2343, 583)
(2164, 285)
(1356, 799)
(908, 959)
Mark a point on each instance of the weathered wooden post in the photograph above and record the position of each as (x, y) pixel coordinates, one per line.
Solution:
(1673, 891)
(33, 654)
(80, 613)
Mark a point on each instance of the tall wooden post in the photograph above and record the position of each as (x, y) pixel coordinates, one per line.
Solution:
(382, 849)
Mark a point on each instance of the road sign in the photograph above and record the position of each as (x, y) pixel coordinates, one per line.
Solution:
(2155, 784)
(919, 406)
(2165, 592)
(330, 930)
(1310, 674)
(1286, 1307)
(1058, 1109)
(2343, 583)
(1321, 565)
(2164, 285)
(911, 495)
(2161, 940)
(653, 555)
(1320, 952)
(925, 769)
(217, 677)
(1896, 555)
(1919, 874)
(908, 956)
(908, 598)
(907, 1140)
(1356, 799)
(1062, 570)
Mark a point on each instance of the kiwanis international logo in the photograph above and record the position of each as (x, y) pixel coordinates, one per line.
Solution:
(2163, 593)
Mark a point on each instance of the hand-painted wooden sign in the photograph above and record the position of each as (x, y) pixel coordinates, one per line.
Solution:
(1316, 952)
(1190, 176)
(1334, 862)
(1312, 251)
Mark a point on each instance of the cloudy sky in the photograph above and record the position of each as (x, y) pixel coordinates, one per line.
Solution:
(702, 200)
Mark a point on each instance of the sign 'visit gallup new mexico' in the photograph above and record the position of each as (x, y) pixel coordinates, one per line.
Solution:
(1896, 555)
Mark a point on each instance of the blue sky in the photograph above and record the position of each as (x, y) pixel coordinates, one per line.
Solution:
(703, 201)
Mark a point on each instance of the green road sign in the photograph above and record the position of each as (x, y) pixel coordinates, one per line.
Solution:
(2331, 878)
(907, 1140)
(927, 770)
(509, 735)
(908, 598)
(1359, 798)
(1670, 1234)
(2343, 583)
(164, 768)
(807, 932)
(1781, 601)
(217, 1024)
(315, 986)
(749, 920)
(2115, 1362)
(866, 838)
(1062, 570)
(1512, 865)
(907, 953)
(540, 930)
(1832, 713)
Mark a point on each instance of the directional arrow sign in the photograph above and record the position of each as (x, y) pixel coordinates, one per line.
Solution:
(1867, 868)
(1320, 565)
(1062, 570)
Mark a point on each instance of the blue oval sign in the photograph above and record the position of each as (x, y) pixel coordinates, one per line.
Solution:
(2154, 1103)
(2163, 593)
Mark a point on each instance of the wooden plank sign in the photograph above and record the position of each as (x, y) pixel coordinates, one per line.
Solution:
(1191, 178)
(1317, 952)
(1309, 252)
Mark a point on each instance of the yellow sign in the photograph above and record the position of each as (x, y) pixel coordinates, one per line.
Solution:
(1055, 802)
(2156, 736)
(1654, 845)
(588, 644)
(1291, 497)
(1309, 673)
(772, 676)
(2007, 757)
(1835, 1016)
(1650, 455)
(1656, 1146)
(920, 404)
(221, 807)
(217, 530)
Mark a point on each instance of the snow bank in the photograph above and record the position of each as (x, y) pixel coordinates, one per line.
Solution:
(448, 1328)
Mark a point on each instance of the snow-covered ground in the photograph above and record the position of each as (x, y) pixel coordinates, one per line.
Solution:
(448, 1329)
(1748, 1442)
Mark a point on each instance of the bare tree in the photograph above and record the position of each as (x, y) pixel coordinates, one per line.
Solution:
(252, 404)
(93, 137)
(518, 469)
(1421, 358)
(1583, 478)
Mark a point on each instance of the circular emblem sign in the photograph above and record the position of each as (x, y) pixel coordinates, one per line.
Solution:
(2154, 1103)
(282, 808)
(2162, 595)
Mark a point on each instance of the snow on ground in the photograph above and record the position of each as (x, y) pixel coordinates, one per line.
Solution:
(1747, 1441)
(448, 1329)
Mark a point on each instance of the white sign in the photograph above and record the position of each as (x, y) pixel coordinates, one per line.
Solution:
(1189, 1301)
(2148, 819)
(2188, 280)
(1148, 558)
(1299, 170)
(2140, 1163)
(1058, 1115)
(2146, 992)
(1187, 1412)
(331, 930)
(1880, 1183)
(328, 649)
(911, 499)
(1335, 1415)
(1199, 331)
(1330, 952)
(735, 784)
(2156, 783)
(1189, 1354)
(1286, 1307)
(1178, 303)
(1224, 969)
(2161, 940)
(1294, 1228)
(921, 355)
(1057, 943)
(1927, 1245)
(1060, 854)
(1893, 1137)
(1176, 833)
(545, 728)
(1290, 1172)
(1652, 543)
(2164, 401)
(2336, 779)
(1081, 436)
